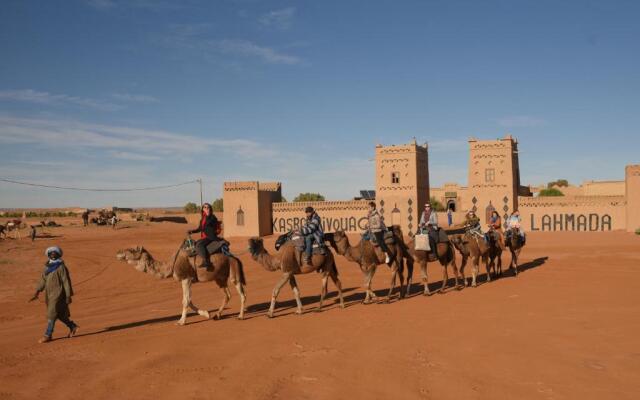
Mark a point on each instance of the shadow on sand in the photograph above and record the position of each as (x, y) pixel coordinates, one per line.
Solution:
(288, 307)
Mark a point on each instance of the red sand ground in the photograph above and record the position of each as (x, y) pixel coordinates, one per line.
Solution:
(567, 328)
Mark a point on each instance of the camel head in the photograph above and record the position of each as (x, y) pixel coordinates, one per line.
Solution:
(256, 246)
(338, 240)
(131, 255)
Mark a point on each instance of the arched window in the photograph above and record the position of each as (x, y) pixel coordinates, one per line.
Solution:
(240, 217)
(489, 210)
(395, 217)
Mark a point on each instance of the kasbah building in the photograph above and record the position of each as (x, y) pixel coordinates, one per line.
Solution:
(402, 188)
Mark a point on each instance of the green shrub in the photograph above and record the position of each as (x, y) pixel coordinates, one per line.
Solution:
(638, 231)
(309, 197)
(191, 208)
(436, 205)
(550, 192)
(217, 205)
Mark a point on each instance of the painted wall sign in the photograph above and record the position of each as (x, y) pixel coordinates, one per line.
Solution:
(349, 224)
(571, 222)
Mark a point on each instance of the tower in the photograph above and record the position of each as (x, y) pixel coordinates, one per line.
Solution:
(402, 184)
(494, 176)
(248, 207)
(632, 192)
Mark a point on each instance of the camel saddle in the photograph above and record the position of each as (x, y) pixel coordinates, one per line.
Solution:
(298, 241)
(389, 238)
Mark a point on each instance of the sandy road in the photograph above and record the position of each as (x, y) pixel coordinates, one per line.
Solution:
(567, 328)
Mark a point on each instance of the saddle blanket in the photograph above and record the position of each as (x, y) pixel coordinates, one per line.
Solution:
(389, 238)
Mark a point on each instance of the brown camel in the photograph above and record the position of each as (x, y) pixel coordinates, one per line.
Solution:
(472, 244)
(225, 268)
(368, 257)
(445, 256)
(288, 261)
(515, 243)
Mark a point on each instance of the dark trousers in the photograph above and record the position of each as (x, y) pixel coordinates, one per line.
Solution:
(433, 240)
(201, 250)
(52, 322)
(380, 239)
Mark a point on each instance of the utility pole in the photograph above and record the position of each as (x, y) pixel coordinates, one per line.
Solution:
(200, 182)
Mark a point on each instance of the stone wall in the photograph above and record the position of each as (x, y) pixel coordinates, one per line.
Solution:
(577, 213)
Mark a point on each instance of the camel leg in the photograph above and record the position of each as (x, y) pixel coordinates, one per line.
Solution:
(186, 302)
(227, 292)
(296, 293)
(336, 281)
(370, 295)
(464, 264)
(488, 264)
(401, 277)
(410, 262)
(276, 291)
(323, 291)
(456, 272)
(425, 278)
(225, 300)
(515, 261)
(394, 274)
(475, 270)
(445, 279)
(243, 298)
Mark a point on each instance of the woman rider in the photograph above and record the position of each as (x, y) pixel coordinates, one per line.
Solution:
(208, 229)
(495, 224)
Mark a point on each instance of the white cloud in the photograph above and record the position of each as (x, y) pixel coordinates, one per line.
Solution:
(520, 121)
(125, 155)
(33, 96)
(278, 19)
(192, 37)
(123, 140)
(250, 49)
(135, 98)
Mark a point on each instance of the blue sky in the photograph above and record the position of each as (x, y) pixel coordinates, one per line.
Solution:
(110, 93)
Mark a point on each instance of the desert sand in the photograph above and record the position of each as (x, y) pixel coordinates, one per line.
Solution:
(568, 327)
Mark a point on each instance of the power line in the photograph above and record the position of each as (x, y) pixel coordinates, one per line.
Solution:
(95, 189)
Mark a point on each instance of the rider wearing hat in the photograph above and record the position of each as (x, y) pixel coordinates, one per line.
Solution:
(312, 231)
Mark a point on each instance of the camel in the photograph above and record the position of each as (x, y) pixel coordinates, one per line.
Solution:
(369, 257)
(472, 244)
(288, 261)
(13, 225)
(226, 268)
(445, 256)
(2, 231)
(515, 243)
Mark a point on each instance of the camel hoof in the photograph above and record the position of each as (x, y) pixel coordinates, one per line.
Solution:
(299, 312)
(270, 315)
(217, 316)
(181, 323)
(342, 306)
(240, 317)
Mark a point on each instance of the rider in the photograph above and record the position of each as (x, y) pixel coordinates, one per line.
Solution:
(312, 231)
(472, 220)
(495, 225)
(515, 222)
(429, 221)
(377, 228)
(208, 229)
